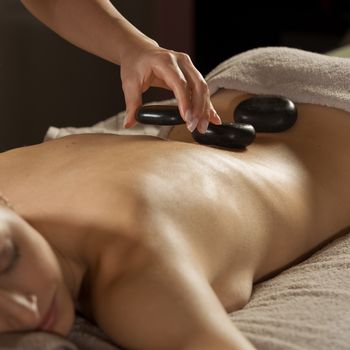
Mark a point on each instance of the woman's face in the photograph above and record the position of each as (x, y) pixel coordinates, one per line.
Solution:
(31, 280)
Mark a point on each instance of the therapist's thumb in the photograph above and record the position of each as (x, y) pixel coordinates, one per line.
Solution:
(133, 100)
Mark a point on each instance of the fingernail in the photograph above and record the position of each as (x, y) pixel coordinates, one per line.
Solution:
(218, 118)
(203, 126)
(125, 123)
(192, 125)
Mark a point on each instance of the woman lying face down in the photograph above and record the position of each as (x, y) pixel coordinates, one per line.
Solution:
(156, 240)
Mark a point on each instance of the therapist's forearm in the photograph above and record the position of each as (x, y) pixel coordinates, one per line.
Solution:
(93, 25)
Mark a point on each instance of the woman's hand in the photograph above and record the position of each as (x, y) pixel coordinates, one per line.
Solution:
(150, 65)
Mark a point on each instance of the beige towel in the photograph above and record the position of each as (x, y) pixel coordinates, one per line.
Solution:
(302, 76)
(306, 307)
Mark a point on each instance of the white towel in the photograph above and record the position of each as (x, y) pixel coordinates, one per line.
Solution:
(302, 76)
(114, 125)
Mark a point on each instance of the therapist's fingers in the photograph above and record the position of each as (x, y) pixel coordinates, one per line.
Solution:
(202, 111)
(157, 68)
(169, 73)
(133, 100)
(170, 70)
(190, 90)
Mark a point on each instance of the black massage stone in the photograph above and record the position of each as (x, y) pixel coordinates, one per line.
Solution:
(159, 115)
(228, 135)
(266, 113)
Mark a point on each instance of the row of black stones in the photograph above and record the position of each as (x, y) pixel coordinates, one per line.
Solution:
(262, 113)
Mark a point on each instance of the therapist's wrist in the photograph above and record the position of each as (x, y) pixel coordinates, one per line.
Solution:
(134, 46)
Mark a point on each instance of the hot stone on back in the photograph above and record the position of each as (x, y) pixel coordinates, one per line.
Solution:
(228, 135)
(267, 113)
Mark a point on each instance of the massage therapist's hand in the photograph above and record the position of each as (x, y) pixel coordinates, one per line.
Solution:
(98, 27)
(150, 65)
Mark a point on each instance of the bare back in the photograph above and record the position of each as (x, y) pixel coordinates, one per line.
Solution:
(234, 215)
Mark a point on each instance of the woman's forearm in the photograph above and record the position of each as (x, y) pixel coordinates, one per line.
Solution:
(93, 25)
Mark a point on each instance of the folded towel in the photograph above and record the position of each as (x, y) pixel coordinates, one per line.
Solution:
(114, 125)
(302, 76)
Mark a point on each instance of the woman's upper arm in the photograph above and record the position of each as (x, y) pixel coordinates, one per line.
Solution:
(165, 306)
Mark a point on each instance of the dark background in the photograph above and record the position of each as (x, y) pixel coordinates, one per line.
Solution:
(231, 27)
(45, 80)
